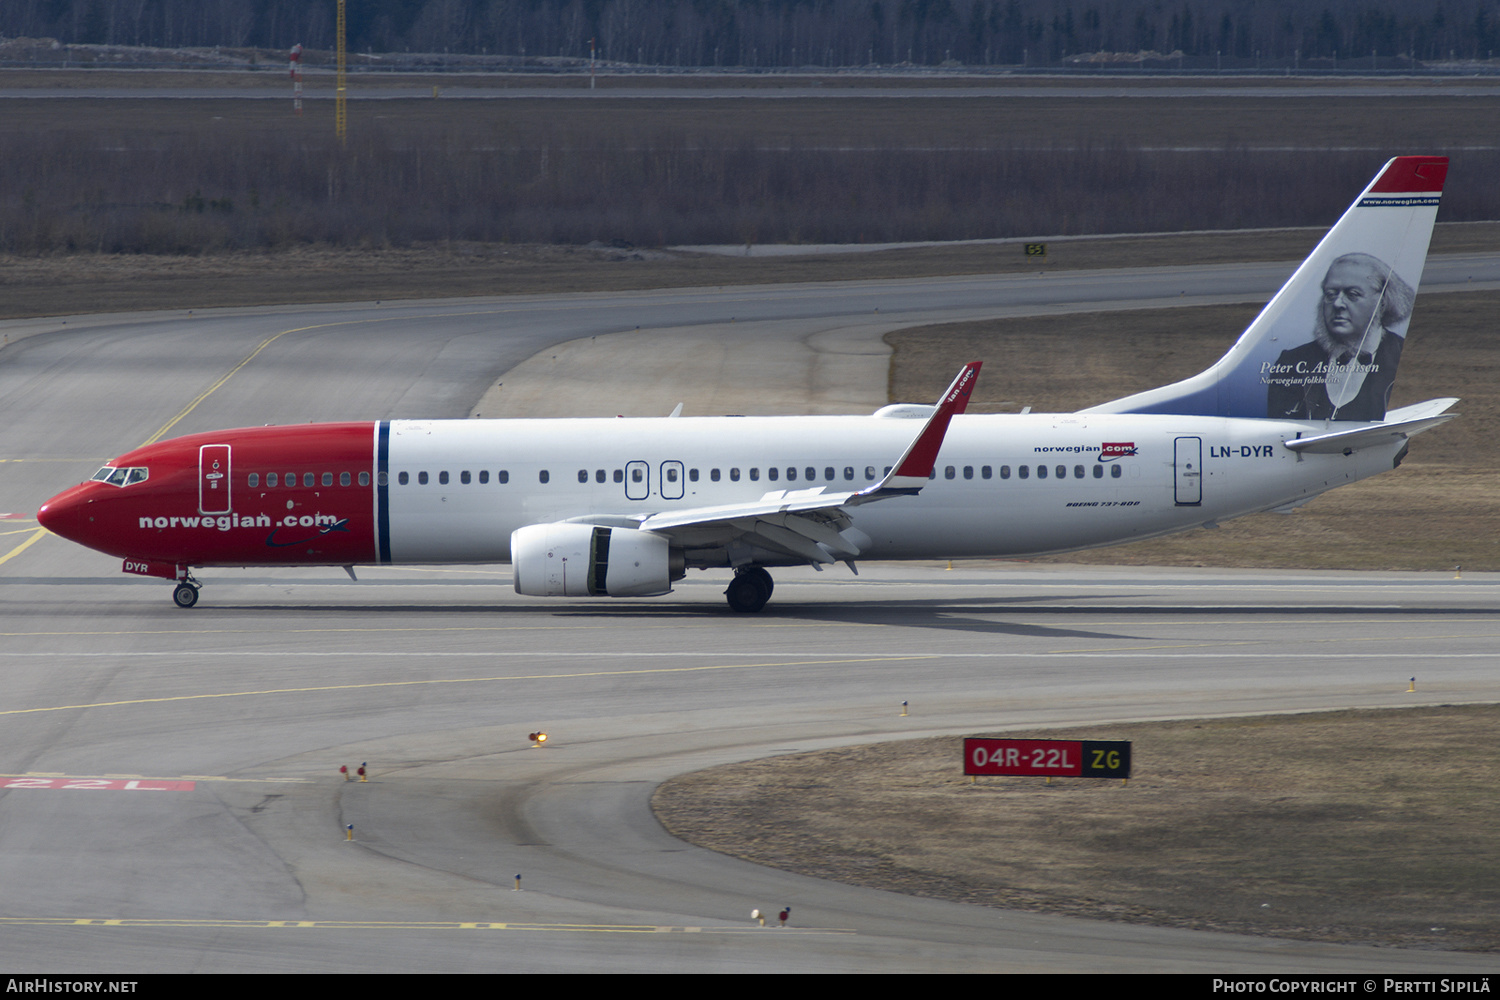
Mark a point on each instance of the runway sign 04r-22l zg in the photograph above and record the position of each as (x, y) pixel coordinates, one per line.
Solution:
(1047, 758)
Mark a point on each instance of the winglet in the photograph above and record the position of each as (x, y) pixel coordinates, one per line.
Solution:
(911, 473)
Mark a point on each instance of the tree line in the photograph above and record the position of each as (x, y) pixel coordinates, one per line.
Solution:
(800, 33)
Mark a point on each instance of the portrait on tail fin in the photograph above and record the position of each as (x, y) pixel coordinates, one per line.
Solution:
(1346, 371)
(1357, 286)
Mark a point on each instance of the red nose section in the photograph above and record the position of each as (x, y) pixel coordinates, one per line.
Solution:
(70, 514)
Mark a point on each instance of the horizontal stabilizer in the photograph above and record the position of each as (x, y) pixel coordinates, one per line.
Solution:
(1412, 420)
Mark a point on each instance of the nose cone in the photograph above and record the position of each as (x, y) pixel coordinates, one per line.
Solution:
(68, 515)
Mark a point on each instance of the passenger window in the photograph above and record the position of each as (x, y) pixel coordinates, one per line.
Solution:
(364, 479)
(502, 476)
(791, 475)
(344, 478)
(849, 473)
(713, 474)
(933, 473)
(463, 477)
(421, 479)
(402, 478)
(484, 476)
(543, 476)
(583, 475)
(635, 475)
(1004, 472)
(985, 472)
(1077, 472)
(307, 479)
(692, 475)
(327, 479)
(1062, 472)
(619, 476)
(443, 478)
(1023, 471)
(828, 474)
(1098, 472)
(383, 479)
(599, 476)
(870, 472)
(813, 473)
(672, 474)
(949, 472)
(734, 475)
(771, 473)
(254, 480)
(1114, 472)
(968, 472)
(290, 479)
(754, 475)
(1041, 472)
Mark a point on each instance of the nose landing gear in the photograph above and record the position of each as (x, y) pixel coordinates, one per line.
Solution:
(750, 589)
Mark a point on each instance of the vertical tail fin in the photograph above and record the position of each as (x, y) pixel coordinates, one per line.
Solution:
(1327, 345)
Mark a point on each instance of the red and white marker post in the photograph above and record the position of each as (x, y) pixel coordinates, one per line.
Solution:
(297, 79)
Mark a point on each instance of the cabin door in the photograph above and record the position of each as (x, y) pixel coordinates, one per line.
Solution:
(637, 481)
(1188, 462)
(213, 479)
(670, 483)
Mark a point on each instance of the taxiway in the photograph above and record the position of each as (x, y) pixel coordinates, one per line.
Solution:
(229, 852)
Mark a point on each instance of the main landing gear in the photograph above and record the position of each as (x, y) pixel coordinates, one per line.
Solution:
(185, 594)
(750, 589)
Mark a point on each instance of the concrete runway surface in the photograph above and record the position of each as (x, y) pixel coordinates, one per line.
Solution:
(214, 837)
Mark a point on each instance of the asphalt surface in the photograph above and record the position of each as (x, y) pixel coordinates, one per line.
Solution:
(435, 677)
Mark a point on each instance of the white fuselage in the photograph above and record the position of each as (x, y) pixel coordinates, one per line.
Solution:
(1005, 485)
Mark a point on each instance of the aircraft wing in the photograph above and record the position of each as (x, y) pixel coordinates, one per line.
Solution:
(814, 525)
(806, 524)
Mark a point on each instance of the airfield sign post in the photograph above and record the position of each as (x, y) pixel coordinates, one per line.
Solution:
(1047, 758)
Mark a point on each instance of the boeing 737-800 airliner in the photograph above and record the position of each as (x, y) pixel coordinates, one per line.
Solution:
(625, 507)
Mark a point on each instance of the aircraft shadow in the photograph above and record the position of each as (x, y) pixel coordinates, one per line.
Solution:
(941, 614)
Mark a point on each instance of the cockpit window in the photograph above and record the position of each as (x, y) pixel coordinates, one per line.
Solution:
(121, 477)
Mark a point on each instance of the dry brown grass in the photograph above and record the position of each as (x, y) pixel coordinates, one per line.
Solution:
(196, 175)
(1419, 121)
(1321, 826)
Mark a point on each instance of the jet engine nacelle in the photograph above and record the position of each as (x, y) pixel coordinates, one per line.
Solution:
(586, 560)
